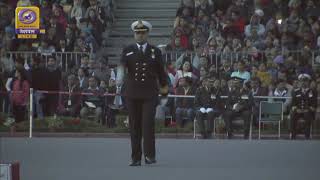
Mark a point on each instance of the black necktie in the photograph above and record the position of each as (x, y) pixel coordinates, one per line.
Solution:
(141, 49)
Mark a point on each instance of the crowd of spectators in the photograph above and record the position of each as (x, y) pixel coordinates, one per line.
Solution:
(268, 43)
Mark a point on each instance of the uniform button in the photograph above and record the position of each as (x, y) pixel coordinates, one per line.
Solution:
(143, 74)
(136, 79)
(142, 79)
(137, 68)
(144, 64)
(136, 74)
(137, 63)
(144, 69)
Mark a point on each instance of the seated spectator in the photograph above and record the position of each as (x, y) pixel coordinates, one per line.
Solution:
(185, 70)
(241, 72)
(236, 25)
(93, 104)
(225, 71)
(254, 28)
(19, 95)
(96, 25)
(77, 10)
(61, 19)
(99, 10)
(70, 104)
(57, 29)
(23, 3)
(83, 80)
(114, 103)
(180, 40)
(264, 75)
(304, 104)
(184, 106)
(236, 106)
(95, 70)
(46, 49)
(6, 63)
(282, 91)
(207, 107)
(211, 46)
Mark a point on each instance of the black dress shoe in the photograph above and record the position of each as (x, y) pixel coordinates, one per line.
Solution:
(150, 160)
(135, 163)
(229, 135)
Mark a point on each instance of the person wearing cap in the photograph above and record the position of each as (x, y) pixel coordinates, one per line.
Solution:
(144, 79)
(207, 103)
(238, 104)
(304, 104)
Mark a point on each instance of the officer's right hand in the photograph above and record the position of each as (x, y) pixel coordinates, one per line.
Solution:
(164, 91)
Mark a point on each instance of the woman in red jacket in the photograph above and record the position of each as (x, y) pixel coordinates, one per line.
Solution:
(19, 95)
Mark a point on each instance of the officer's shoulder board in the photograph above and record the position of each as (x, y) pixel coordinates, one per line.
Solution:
(129, 50)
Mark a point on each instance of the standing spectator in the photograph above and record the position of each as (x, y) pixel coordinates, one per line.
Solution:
(184, 106)
(38, 74)
(19, 95)
(53, 84)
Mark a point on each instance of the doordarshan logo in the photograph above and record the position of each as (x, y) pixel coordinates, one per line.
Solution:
(27, 22)
(27, 16)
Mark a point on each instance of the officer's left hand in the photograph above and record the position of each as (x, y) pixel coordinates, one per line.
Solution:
(164, 91)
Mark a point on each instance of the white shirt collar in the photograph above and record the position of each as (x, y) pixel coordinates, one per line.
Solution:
(144, 46)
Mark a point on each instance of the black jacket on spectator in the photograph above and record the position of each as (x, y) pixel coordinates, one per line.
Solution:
(53, 80)
(243, 97)
(208, 98)
(97, 98)
(304, 100)
(76, 98)
(38, 75)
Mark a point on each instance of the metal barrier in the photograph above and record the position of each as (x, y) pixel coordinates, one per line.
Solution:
(231, 57)
(64, 59)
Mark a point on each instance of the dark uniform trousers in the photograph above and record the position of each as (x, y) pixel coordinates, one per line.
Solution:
(245, 98)
(201, 117)
(231, 115)
(308, 116)
(141, 90)
(141, 122)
